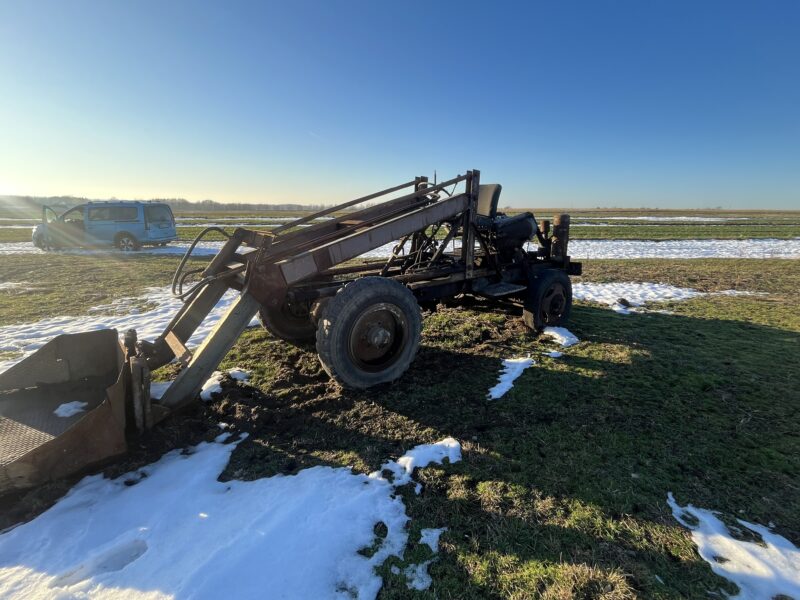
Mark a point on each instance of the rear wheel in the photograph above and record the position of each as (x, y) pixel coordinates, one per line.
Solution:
(370, 332)
(127, 243)
(549, 300)
(289, 323)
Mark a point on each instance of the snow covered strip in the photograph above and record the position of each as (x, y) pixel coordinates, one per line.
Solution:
(512, 368)
(579, 249)
(761, 571)
(692, 219)
(174, 248)
(636, 294)
(121, 314)
(296, 536)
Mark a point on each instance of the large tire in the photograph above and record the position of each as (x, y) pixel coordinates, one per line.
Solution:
(549, 299)
(288, 323)
(370, 332)
(127, 242)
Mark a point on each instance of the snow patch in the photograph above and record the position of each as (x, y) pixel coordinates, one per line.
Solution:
(512, 368)
(431, 537)
(635, 294)
(70, 409)
(554, 354)
(214, 383)
(417, 576)
(420, 457)
(121, 314)
(561, 335)
(631, 249)
(622, 296)
(16, 286)
(297, 536)
(679, 249)
(760, 571)
(173, 248)
(693, 219)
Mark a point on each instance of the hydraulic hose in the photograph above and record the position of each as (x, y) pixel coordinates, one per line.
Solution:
(179, 278)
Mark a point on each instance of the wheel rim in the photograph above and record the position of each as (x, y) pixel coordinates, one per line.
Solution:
(126, 244)
(554, 303)
(378, 337)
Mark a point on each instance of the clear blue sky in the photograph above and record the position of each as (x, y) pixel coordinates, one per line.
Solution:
(596, 103)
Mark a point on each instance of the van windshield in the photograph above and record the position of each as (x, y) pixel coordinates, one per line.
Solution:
(160, 213)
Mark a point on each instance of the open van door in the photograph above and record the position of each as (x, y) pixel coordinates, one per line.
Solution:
(68, 230)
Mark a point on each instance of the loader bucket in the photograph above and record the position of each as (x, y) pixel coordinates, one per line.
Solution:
(36, 444)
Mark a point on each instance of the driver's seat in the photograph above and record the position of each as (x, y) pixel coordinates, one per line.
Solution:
(488, 199)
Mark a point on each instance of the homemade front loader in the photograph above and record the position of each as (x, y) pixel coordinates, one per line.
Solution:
(365, 316)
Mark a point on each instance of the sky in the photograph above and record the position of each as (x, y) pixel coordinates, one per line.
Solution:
(628, 103)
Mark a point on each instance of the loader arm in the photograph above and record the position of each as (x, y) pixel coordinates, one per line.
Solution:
(272, 263)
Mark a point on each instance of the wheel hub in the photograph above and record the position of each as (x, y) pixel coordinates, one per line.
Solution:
(378, 336)
(376, 339)
(553, 303)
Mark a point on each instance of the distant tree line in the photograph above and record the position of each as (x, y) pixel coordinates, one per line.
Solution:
(34, 203)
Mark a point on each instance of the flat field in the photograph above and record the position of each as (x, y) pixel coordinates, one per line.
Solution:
(562, 488)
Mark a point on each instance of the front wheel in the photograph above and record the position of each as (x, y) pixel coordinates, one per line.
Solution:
(369, 333)
(549, 299)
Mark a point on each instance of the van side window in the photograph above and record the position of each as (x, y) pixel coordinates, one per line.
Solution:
(124, 213)
(160, 213)
(99, 213)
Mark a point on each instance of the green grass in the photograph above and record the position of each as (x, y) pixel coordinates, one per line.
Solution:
(760, 224)
(684, 231)
(63, 284)
(563, 484)
(561, 492)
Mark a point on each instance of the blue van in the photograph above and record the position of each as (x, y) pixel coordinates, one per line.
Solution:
(126, 225)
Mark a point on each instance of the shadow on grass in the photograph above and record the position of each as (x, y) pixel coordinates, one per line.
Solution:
(575, 462)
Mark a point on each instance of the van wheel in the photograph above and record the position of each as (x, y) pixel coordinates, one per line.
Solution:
(127, 243)
(369, 333)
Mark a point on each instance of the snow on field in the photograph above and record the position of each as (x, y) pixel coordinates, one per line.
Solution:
(431, 537)
(636, 294)
(512, 368)
(561, 335)
(693, 219)
(16, 286)
(629, 249)
(179, 248)
(178, 531)
(214, 383)
(246, 219)
(121, 314)
(417, 576)
(618, 249)
(420, 457)
(761, 570)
